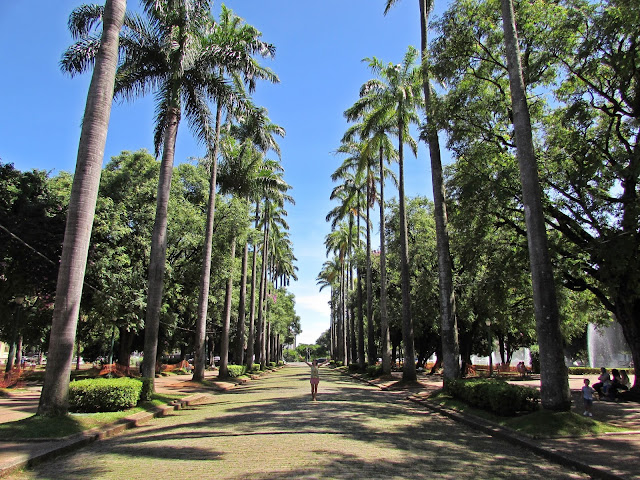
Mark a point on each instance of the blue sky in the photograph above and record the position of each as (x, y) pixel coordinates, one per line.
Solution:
(320, 46)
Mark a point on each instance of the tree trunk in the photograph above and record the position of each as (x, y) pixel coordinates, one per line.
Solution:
(252, 303)
(371, 341)
(205, 272)
(554, 383)
(82, 204)
(448, 321)
(384, 319)
(159, 248)
(409, 367)
(263, 288)
(240, 327)
(224, 341)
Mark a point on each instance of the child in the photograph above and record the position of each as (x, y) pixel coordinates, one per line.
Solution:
(587, 398)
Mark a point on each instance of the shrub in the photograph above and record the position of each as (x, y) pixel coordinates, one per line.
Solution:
(354, 367)
(104, 394)
(272, 364)
(495, 396)
(255, 367)
(234, 371)
(584, 371)
(374, 371)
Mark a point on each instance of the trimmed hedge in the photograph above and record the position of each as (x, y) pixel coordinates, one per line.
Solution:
(104, 394)
(255, 367)
(584, 371)
(234, 371)
(496, 396)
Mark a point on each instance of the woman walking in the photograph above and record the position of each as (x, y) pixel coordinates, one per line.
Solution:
(315, 377)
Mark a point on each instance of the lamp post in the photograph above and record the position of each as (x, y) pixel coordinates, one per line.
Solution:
(488, 323)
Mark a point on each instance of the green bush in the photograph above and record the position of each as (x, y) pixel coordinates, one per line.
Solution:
(234, 371)
(584, 371)
(272, 365)
(495, 396)
(354, 367)
(104, 394)
(374, 371)
(255, 367)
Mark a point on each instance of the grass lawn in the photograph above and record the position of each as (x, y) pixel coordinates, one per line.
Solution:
(36, 427)
(539, 424)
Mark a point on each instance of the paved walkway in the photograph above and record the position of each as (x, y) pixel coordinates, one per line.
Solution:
(269, 428)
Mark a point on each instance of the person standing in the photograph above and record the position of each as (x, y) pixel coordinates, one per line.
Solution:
(587, 398)
(315, 377)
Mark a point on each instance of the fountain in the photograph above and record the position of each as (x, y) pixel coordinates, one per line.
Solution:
(607, 346)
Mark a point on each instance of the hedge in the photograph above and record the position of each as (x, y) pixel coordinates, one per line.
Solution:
(496, 396)
(104, 394)
(235, 371)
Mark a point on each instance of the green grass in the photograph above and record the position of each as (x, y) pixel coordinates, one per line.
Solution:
(36, 427)
(539, 424)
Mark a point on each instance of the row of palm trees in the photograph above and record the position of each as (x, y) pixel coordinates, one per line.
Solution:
(189, 61)
(389, 106)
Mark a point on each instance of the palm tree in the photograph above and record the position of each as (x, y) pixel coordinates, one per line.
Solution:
(256, 133)
(448, 322)
(350, 194)
(174, 53)
(229, 35)
(373, 134)
(397, 93)
(82, 203)
(554, 384)
(328, 277)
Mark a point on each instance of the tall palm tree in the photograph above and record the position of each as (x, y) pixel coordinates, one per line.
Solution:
(397, 93)
(230, 35)
(82, 203)
(554, 383)
(256, 133)
(350, 193)
(373, 134)
(448, 319)
(328, 277)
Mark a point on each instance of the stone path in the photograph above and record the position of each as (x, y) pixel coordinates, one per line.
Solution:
(270, 428)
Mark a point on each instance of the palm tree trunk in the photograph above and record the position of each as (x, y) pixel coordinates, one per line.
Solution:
(554, 383)
(159, 248)
(361, 358)
(384, 319)
(240, 328)
(224, 341)
(82, 204)
(205, 271)
(448, 320)
(371, 350)
(261, 298)
(409, 369)
(251, 340)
